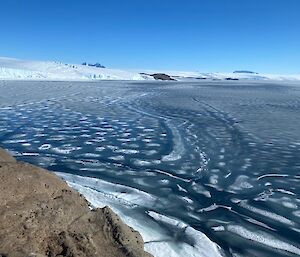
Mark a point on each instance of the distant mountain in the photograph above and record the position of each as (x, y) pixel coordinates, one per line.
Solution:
(16, 69)
(97, 65)
(219, 76)
(245, 72)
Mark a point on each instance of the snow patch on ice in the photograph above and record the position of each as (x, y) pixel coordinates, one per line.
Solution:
(126, 201)
(263, 238)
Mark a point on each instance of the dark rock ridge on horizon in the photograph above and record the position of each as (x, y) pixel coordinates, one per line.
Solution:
(41, 216)
(160, 76)
(97, 65)
(231, 78)
(245, 72)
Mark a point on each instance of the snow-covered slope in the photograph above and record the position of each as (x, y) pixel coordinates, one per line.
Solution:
(15, 69)
(192, 75)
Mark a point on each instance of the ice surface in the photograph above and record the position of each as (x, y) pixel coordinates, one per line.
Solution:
(264, 239)
(101, 193)
(267, 214)
(236, 143)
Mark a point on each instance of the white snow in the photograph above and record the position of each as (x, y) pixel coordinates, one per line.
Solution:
(263, 239)
(125, 201)
(186, 75)
(15, 69)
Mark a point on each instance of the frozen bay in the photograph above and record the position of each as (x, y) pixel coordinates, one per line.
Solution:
(200, 169)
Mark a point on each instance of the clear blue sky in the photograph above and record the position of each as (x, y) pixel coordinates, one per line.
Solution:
(204, 35)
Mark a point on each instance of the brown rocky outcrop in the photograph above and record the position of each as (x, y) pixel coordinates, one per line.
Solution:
(160, 76)
(41, 216)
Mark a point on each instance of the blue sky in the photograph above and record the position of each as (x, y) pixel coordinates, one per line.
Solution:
(210, 35)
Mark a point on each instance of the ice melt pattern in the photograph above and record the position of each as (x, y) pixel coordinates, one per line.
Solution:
(186, 164)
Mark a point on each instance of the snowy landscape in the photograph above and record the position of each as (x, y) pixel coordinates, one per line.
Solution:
(150, 128)
(115, 141)
(15, 69)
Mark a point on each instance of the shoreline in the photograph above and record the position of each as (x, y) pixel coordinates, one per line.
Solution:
(42, 216)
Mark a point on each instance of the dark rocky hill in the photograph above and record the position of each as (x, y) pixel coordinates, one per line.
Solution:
(40, 216)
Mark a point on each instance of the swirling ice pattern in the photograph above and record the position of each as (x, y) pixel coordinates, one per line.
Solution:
(183, 147)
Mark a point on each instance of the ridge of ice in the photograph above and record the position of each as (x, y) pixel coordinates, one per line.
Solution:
(127, 201)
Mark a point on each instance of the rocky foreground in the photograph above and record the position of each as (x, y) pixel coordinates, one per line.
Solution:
(41, 216)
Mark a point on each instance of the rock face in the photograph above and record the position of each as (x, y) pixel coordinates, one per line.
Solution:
(5, 157)
(245, 72)
(231, 79)
(41, 216)
(161, 76)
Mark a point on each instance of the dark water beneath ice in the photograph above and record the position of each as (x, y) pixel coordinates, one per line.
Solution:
(222, 157)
